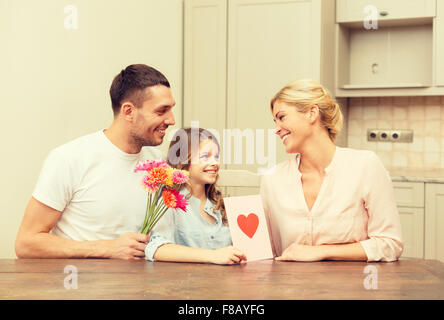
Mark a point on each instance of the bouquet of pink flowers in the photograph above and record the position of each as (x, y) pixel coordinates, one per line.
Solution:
(162, 183)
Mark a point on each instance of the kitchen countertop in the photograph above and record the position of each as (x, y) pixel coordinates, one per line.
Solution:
(417, 175)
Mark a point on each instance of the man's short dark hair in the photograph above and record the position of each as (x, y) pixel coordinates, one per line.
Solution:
(131, 82)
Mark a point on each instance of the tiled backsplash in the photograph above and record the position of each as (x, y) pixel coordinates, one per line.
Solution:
(424, 115)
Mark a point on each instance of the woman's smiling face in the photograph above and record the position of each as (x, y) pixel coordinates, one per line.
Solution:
(292, 126)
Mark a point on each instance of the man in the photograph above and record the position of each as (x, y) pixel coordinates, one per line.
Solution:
(88, 201)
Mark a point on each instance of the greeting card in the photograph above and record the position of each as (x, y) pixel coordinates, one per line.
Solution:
(248, 226)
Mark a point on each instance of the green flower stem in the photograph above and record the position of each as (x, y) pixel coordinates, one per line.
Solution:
(149, 204)
(155, 215)
(161, 208)
(150, 213)
(150, 208)
(153, 211)
(160, 215)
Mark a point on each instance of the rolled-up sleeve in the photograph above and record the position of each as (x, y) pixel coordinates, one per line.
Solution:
(155, 242)
(162, 233)
(384, 225)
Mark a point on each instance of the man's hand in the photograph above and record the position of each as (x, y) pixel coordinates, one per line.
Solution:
(227, 255)
(297, 252)
(129, 246)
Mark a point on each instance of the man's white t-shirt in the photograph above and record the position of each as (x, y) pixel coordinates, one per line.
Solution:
(93, 183)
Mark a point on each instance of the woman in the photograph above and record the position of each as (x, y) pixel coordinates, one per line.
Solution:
(327, 203)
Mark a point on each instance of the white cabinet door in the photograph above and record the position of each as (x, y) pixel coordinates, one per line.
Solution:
(238, 54)
(409, 194)
(270, 43)
(439, 38)
(205, 43)
(353, 10)
(410, 200)
(412, 226)
(434, 221)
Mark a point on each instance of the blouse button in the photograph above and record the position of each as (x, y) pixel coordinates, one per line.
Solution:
(212, 237)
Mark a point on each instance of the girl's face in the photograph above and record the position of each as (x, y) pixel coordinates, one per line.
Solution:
(205, 165)
(292, 126)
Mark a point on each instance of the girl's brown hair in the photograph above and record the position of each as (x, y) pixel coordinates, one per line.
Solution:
(183, 145)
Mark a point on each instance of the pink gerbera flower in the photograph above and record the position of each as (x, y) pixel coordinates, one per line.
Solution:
(149, 185)
(150, 164)
(174, 199)
(180, 176)
(181, 201)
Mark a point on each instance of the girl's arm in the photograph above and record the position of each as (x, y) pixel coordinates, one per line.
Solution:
(178, 253)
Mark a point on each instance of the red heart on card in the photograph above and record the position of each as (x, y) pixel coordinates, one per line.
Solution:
(249, 224)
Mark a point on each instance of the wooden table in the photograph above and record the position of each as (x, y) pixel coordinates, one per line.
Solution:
(260, 280)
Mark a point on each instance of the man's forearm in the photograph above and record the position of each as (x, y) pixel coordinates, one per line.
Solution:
(46, 245)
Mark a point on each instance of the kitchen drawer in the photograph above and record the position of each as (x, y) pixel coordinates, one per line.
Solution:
(412, 226)
(409, 194)
(353, 10)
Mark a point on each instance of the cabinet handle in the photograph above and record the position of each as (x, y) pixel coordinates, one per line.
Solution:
(384, 13)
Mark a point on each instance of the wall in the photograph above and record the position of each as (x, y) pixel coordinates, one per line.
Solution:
(425, 115)
(54, 81)
(342, 137)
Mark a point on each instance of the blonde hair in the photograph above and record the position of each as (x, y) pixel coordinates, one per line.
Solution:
(304, 93)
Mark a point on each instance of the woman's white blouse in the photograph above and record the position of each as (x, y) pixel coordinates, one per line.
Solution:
(356, 202)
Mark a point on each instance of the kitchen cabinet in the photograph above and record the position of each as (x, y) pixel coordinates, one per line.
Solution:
(271, 43)
(205, 61)
(238, 54)
(409, 194)
(383, 60)
(439, 37)
(412, 225)
(410, 200)
(354, 10)
(421, 209)
(434, 221)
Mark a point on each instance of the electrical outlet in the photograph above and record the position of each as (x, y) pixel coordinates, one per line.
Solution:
(401, 136)
(372, 134)
(395, 135)
(389, 135)
(384, 135)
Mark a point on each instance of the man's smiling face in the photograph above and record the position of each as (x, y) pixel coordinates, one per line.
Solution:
(153, 117)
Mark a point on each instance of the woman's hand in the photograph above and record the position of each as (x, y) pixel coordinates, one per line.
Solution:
(227, 255)
(298, 252)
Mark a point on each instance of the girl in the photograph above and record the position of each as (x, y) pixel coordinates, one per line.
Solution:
(201, 233)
